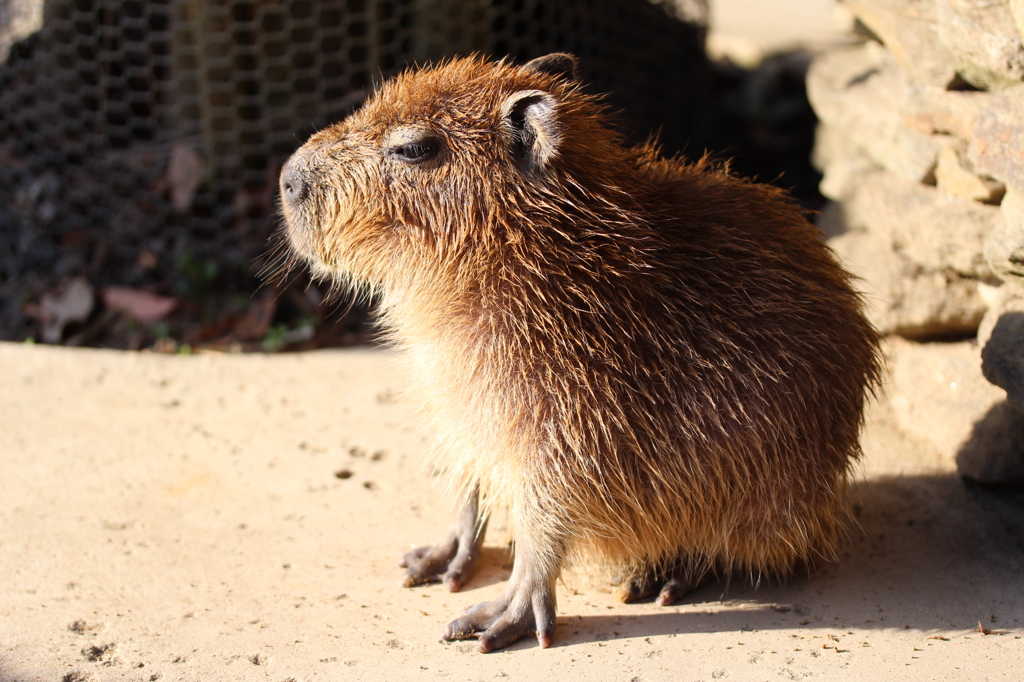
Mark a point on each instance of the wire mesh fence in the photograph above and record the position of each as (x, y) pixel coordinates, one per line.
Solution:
(140, 141)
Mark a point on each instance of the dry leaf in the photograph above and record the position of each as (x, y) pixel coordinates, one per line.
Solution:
(142, 305)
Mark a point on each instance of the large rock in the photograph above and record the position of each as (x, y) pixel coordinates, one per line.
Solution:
(955, 174)
(941, 42)
(1002, 329)
(939, 396)
(862, 92)
(998, 137)
(843, 159)
(904, 299)
(1004, 245)
(919, 252)
(934, 231)
(984, 40)
(1003, 353)
(929, 109)
(910, 29)
(991, 123)
(1017, 10)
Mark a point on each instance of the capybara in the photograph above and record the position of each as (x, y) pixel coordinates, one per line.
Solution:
(650, 364)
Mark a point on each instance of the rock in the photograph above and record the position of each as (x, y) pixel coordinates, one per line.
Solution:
(866, 101)
(954, 174)
(991, 123)
(1017, 10)
(942, 42)
(994, 453)
(920, 253)
(844, 161)
(1002, 356)
(1004, 244)
(929, 109)
(932, 230)
(939, 396)
(1000, 300)
(910, 30)
(902, 298)
(998, 137)
(982, 37)
(861, 91)
(830, 220)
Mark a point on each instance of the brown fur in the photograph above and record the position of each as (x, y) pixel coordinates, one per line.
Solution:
(644, 360)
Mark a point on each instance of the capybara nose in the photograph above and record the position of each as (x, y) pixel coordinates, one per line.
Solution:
(294, 188)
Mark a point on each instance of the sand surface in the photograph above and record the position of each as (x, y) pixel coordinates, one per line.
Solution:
(220, 517)
(229, 517)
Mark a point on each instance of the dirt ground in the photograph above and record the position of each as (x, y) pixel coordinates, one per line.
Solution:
(221, 517)
(240, 517)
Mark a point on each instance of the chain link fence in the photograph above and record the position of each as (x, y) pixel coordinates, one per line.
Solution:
(140, 142)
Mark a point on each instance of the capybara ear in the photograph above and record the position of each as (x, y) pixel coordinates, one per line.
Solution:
(559, 64)
(530, 118)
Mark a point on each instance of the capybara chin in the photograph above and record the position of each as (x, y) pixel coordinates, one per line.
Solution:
(649, 363)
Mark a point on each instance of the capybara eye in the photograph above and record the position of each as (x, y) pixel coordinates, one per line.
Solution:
(416, 152)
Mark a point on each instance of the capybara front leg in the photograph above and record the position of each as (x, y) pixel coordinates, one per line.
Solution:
(527, 604)
(454, 557)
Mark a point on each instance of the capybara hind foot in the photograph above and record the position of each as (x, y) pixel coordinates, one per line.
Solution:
(525, 606)
(670, 587)
(454, 557)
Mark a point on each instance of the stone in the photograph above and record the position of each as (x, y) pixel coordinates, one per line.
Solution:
(983, 38)
(1004, 244)
(910, 30)
(929, 109)
(901, 298)
(844, 161)
(994, 453)
(1017, 10)
(939, 396)
(1001, 299)
(997, 141)
(919, 253)
(1002, 339)
(932, 230)
(991, 123)
(955, 175)
(861, 91)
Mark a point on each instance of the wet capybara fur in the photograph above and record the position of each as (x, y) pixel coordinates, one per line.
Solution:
(650, 364)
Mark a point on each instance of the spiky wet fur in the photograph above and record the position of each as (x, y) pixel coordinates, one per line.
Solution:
(646, 361)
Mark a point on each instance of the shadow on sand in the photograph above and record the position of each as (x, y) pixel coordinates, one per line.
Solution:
(930, 553)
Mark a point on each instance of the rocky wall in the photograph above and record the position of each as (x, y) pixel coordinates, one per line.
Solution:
(921, 143)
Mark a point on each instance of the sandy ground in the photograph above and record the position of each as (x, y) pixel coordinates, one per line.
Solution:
(221, 517)
(224, 517)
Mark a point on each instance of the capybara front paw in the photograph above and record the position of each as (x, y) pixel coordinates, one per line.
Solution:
(515, 614)
(448, 561)
(453, 559)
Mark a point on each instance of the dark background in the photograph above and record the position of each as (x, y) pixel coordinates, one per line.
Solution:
(140, 143)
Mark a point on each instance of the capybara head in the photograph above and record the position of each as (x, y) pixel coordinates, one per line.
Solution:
(445, 164)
